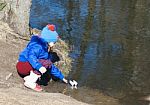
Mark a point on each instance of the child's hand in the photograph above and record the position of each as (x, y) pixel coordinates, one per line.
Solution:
(65, 80)
(42, 70)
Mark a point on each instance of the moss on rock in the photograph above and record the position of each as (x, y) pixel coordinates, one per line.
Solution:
(2, 5)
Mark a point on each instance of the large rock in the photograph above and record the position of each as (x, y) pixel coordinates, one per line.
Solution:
(17, 96)
(16, 13)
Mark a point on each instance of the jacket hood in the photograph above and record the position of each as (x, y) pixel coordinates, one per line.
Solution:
(38, 39)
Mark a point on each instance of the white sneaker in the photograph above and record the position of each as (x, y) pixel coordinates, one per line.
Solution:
(33, 86)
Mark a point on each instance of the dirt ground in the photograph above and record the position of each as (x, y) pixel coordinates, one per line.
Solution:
(12, 90)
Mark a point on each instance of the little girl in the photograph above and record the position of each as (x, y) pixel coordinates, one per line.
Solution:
(35, 59)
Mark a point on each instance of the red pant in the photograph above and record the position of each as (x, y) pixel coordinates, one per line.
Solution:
(24, 68)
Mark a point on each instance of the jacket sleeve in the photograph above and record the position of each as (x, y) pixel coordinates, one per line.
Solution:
(32, 58)
(56, 72)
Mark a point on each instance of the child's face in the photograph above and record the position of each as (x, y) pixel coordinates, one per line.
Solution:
(51, 44)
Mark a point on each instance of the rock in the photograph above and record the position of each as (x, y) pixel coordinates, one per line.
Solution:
(16, 13)
(17, 96)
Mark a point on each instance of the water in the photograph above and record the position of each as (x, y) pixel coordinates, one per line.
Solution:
(110, 41)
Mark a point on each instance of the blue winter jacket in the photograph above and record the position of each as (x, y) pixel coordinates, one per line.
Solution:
(37, 49)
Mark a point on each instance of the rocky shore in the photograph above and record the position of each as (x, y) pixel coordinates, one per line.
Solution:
(12, 91)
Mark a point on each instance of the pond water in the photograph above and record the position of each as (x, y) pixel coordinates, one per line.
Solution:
(110, 45)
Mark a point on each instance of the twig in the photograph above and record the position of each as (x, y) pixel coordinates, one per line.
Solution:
(8, 76)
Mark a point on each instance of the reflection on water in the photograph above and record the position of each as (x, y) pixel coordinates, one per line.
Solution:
(111, 44)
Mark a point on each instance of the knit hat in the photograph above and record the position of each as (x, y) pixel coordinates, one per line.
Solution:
(49, 33)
